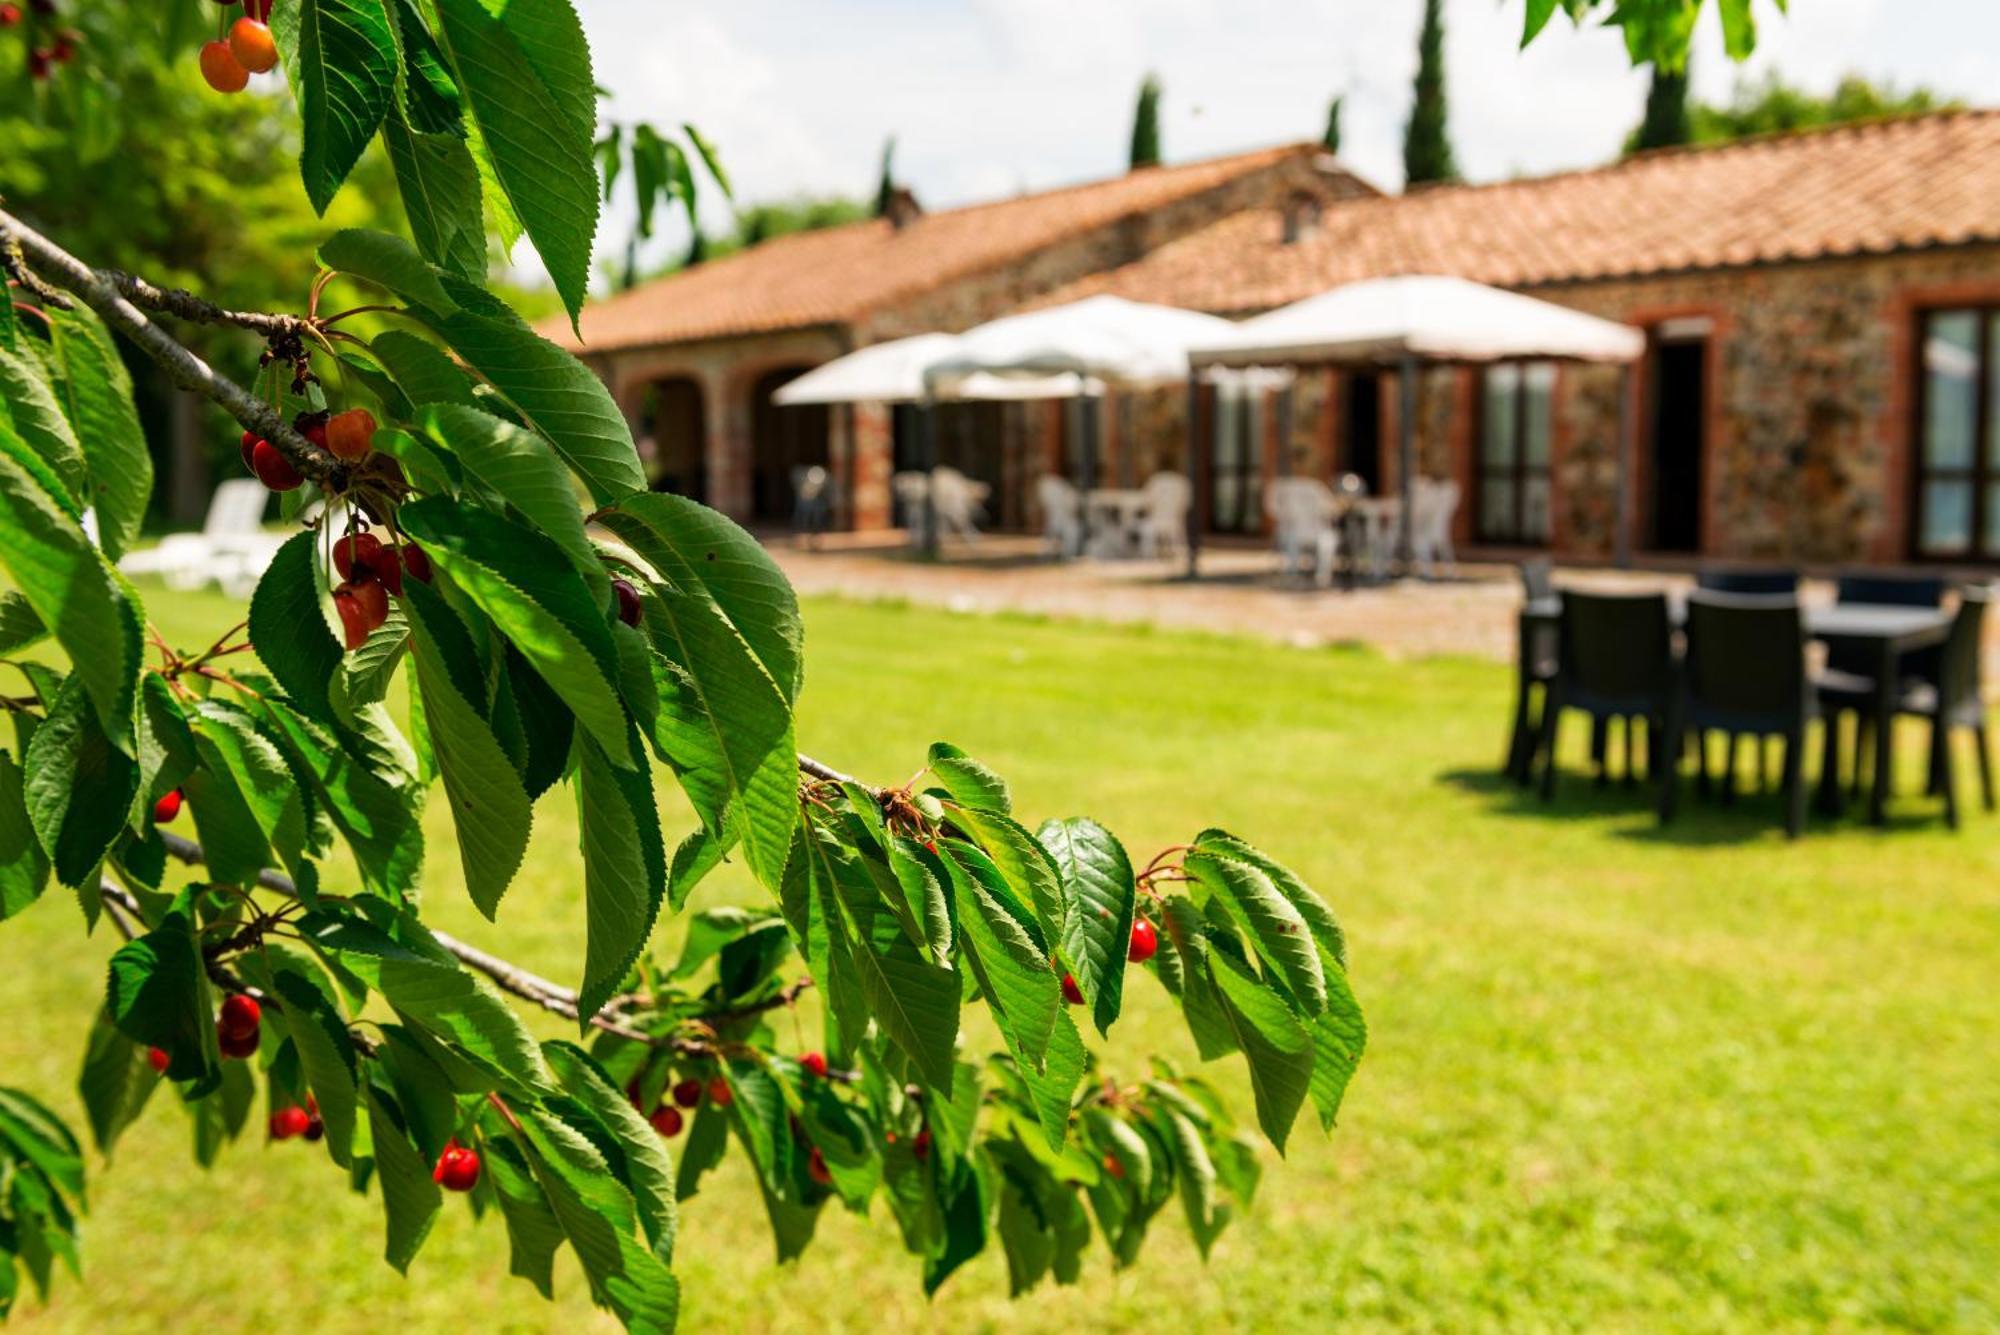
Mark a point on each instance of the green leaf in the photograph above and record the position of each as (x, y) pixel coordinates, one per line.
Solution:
(523, 72)
(424, 372)
(533, 1232)
(289, 631)
(636, 1154)
(709, 158)
(79, 786)
(694, 857)
(1339, 1034)
(73, 591)
(1318, 916)
(158, 995)
(1021, 986)
(707, 1142)
(389, 262)
(341, 61)
(1537, 17)
(702, 551)
(965, 1214)
(430, 97)
(549, 390)
(1182, 923)
(228, 742)
(24, 867)
(439, 185)
(624, 871)
(28, 406)
(95, 392)
(970, 782)
(1195, 1172)
(1098, 896)
(598, 1215)
(410, 1198)
(1274, 1041)
(522, 470)
(1739, 28)
(381, 823)
(19, 626)
(41, 1138)
(1031, 874)
(1275, 926)
(319, 1030)
(115, 1084)
(538, 600)
(490, 810)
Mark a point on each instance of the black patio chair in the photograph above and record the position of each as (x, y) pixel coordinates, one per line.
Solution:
(1745, 675)
(1882, 590)
(1614, 661)
(1748, 579)
(1535, 667)
(1954, 698)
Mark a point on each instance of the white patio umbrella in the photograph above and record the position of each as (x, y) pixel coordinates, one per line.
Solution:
(1107, 338)
(1415, 318)
(893, 372)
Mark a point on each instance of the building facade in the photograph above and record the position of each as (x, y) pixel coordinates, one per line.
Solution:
(1822, 380)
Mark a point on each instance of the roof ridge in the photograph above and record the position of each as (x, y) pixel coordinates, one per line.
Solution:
(1268, 150)
(1797, 136)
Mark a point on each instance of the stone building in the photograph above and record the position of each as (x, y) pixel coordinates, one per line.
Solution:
(1822, 382)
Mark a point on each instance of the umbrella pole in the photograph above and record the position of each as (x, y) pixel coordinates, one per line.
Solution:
(1283, 462)
(927, 433)
(1197, 475)
(1628, 430)
(1406, 463)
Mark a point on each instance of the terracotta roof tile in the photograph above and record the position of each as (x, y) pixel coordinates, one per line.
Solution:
(1860, 189)
(841, 274)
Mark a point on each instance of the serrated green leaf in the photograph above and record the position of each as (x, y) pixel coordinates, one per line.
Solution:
(95, 392)
(319, 1031)
(636, 1155)
(1318, 915)
(1013, 969)
(24, 866)
(439, 185)
(1098, 896)
(410, 1198)
(77, 596)
(341, 59)
(289, 631)
(78, 786)
(1339, 1034)
(228, 742)
(115, 1084)
(1029, 870)
(521, 469)
(19, 626)
(389, 262)
(40, 1137)
(1274, 924)
(29, 409)
(158, 996)
(624, 871)
(1274, 1041)
(970, 782)
(381, 823)
(533, 1232)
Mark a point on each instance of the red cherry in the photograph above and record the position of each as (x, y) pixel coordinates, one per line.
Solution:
(258, 9)
(288, 1121)
(312, 426)
(224, 72)
(1071, 993)
(158, 1059)
(272, 468)
(315, 1128)
(457, 1168)
(921, 1146)
(814, 1063)
(816, 1168)
(240, 1048)
(9, 15)
(246, 446)
(666, 1120)
(64, 50)
(252, 45)
(688, 1093)
(629, 610)
(168, 807)
(40, 60)
(350, 434)
(1112, 1166)
(354, 626)
(387, 568)
(633, 1096)
(240, 1016)
(357, 551)
(417, 563)
(719, 1092)
(1145, 940)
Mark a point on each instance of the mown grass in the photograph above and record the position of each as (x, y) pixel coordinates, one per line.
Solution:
(1616, 1080)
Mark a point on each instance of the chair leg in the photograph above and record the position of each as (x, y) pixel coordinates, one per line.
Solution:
(1551, 718)
(1729, 773)
(1794, 782)
(1700, 739)
(1600, 748)
(1669, 776)
(1985, 765)
(1630, 762)
(1941, 768)
(1517, 764)
(1828, 799)
(1864, 746)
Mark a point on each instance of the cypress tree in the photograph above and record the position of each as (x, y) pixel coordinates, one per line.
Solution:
(1666, 122)
(885, 189)
(1330, 141)
(1146, 125)
(1426, 143)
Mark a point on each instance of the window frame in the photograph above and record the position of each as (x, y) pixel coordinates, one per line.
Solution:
(1982, 473)
(1520, 471)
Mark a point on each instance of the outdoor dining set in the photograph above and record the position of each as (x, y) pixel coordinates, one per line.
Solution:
(1735, 659)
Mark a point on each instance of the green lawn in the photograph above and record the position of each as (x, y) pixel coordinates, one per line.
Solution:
(1615, 1080)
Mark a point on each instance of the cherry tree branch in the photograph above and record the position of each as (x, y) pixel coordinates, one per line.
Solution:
(112, 296)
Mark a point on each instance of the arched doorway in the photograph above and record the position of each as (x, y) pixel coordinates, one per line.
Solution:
(781, 439)
(673, 437)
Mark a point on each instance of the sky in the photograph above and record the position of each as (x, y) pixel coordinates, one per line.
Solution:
(989, 98)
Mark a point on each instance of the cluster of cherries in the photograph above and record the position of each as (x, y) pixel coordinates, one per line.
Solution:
(48, 45)
(228, 62)
(667, 1119)
(293, 1120)
(346, 436)
(1145, 941)
(369, 572)
(236, 1031)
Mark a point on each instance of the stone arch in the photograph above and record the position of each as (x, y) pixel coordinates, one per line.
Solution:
(673, 435)
(782, 439)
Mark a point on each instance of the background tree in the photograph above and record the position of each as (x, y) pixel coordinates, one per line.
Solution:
(1656, 32)
(1146, 125)
(663, 177)
(1427, 152)
(1330, 140)
(885, 184)
(1771, 105)
(1665, 122)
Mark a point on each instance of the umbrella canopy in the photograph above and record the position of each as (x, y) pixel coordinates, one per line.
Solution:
(1425, 317)
(1106, 338)
(893, 372)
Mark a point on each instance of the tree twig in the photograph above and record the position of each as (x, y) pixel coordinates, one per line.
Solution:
(102, 293)
(186, 305)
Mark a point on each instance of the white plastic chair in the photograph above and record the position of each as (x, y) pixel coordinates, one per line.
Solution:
(1062, 515)
(958, 501)
(1302, 511)
(911, 489)
(231, 548)
(1163, 523)
(1434, 503)
(812, 499)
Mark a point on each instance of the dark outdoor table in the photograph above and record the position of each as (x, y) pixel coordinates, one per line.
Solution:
(1889, 633)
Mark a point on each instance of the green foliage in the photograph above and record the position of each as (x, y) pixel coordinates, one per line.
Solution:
(1666, 121)
(1145, 150)
(1657, 32)
(1771, 106)
(41, 1169)
(1330, 138)
(885, 184)
(1427, 154)
(900, 906)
